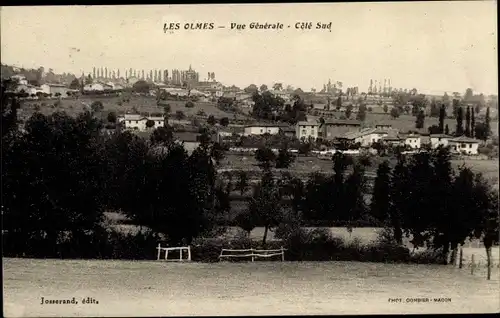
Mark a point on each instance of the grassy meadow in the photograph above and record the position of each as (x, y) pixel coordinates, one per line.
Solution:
(143, 104)
(151, 288)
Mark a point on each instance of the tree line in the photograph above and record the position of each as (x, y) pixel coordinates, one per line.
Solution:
(421, 197)
(480, 130)
(59, 174)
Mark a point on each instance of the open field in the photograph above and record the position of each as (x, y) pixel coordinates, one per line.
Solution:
(142, 104)
(489, 168)
(127, 288)
(310, 164)
(406, 122)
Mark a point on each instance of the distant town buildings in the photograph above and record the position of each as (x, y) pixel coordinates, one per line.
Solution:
(189, 78)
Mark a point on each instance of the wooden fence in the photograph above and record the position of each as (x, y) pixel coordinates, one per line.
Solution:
(252, 253)
(181, 249)
(474, 259)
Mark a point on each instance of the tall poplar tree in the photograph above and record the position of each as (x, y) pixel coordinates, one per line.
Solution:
(442, 114)
(467, 122)
(459, 131)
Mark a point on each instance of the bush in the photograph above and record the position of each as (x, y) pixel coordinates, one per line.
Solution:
(97, 106)
(428, 256)
(102, 243)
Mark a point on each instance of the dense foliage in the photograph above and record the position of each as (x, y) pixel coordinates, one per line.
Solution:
(61, 173)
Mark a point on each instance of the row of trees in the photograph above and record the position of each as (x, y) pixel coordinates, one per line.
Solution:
(323, 197)
(480, 130)
(421, 197)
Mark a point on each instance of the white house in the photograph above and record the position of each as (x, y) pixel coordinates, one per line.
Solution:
(413, 140)
(34, 90)
(176, 91)
(159, 121)
(261, 129)
(138, 122)
(132, 80)
(464, 145)
(439, 140)
(53, 88)
(247, 103)
(393, 141)
(21, 88)
(195, 92)
(21, 79)
(107, 86)
(369, 136)
(306, 130)
(113, 86)
(283, 94)
(93, 87)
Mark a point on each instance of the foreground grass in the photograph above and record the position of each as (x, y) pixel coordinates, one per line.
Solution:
(157, 288)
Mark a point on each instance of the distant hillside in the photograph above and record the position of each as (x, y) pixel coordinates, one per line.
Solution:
(37, 76)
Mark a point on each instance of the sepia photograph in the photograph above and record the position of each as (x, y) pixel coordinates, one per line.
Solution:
(250, 159)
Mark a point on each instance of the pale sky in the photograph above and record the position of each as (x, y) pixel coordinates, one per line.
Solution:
(432, 46)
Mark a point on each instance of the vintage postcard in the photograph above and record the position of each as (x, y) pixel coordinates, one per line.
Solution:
(250, 159)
